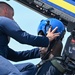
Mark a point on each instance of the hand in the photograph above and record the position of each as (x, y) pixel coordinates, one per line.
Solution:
(51, 34)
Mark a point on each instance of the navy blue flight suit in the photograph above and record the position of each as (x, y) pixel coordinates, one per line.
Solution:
(9, 28)
(48, 69)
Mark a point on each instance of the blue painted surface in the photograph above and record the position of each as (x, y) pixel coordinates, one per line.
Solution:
(71, 2)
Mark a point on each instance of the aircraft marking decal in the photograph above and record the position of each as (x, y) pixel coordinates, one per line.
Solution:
(67, 6)
(64, 4)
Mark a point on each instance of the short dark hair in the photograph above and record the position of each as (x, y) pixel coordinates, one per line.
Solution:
(41, 33)
(1, 2)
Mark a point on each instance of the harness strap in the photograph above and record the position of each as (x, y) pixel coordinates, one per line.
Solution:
(57, 64)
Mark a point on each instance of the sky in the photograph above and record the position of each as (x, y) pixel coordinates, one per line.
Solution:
(28, 20)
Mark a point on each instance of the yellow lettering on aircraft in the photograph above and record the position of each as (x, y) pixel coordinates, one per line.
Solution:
(64, 4)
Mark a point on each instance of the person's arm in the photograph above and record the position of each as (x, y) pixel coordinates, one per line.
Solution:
(12, 29)
(23, 55)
